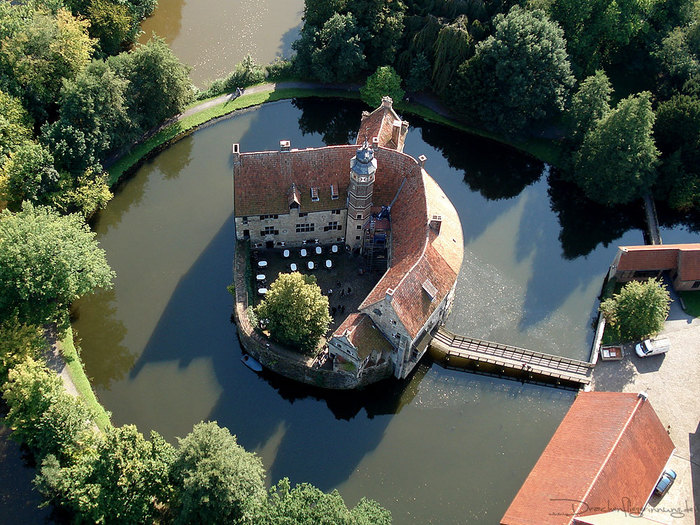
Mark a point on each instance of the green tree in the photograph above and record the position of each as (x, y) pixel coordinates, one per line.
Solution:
(307, 505)
(639, 310)
(518, 76)
(677, 134)
(598, 30)
(17, 343)
(216, 480)
(158, 83)
(453, 46)
(590, 104)
(385, 81)
(337, 53)
(15, 125)
(30, 175)
(295, 311)
(94, 103)
(46, 262)
(617, 161)
(43, 414)
(419, 74)
(111, 23)
(40, 52)
(122, 479)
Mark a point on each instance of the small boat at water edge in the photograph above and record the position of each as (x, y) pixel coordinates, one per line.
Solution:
(251, 363)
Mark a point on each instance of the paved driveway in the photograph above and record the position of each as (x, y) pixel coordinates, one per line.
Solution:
(672, 382)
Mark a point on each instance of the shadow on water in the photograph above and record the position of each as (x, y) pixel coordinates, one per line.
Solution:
(285, 49)
(115, 359)
(586, 224)
(336, 123)
(195, 327)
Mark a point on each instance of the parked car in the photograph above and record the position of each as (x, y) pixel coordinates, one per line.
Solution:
(652, 347)
(667, 479)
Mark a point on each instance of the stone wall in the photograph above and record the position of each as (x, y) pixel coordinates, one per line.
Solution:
(284, 362)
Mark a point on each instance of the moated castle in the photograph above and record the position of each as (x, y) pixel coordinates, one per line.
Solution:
(377, 200)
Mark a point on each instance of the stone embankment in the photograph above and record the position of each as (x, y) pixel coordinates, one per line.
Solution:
(284, 362)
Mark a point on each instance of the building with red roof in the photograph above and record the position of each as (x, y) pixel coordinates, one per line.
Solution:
(604, 460)
(682, 261)
(376, 200)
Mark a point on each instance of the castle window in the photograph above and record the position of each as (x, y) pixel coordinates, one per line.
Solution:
(335, 212)
(357, 237)
(244, 220)
(269, 230)
(334, 192)
(302, 214)
(263, 217)
(359, 217)
(359, 226)
(696, 284)
(302, 228)
(314, 194)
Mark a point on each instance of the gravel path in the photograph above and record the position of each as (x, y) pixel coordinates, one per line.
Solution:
(672, 382)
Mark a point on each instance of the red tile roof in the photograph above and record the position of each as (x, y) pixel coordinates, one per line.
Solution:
(263, 182)
(684, 257)
(380, 123)
(261, 185)
(418, 253)
(608, 452)
(363, 335)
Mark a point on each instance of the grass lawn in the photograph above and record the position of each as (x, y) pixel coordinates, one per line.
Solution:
(82, 384)
(692, 303)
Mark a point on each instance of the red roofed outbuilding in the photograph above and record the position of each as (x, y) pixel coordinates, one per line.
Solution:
(643, 262)
(606, 456)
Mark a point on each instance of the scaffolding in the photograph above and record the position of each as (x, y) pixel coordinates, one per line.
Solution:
(376, 240)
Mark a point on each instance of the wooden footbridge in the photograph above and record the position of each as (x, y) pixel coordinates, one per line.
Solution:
(459, 352)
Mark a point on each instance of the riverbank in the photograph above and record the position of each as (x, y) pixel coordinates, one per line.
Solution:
(423, 105)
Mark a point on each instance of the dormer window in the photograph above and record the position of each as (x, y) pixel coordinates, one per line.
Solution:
(334, 192)
(314, 195)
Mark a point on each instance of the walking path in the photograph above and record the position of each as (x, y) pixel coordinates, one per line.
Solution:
(55, 361)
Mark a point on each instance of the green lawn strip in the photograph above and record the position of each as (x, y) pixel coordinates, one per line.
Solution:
(82, 384)
(691, 300)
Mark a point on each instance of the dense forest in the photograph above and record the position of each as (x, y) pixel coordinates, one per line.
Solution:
(613, 83)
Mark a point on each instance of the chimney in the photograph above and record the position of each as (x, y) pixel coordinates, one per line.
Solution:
(387, 102)
(396, 132)
(236, 152)
(389, 291)
(375, 142)
(285, 145)
(435, 223)
(421, 161)
(365, 114)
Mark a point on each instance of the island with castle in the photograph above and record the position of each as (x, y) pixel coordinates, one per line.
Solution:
(370, 200)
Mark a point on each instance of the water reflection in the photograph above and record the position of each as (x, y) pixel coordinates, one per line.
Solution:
(336, 123)
(102, 324)
(415, 445)
(494, 170)
(586, 224)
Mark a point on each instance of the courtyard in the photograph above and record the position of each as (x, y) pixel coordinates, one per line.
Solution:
(346, 283)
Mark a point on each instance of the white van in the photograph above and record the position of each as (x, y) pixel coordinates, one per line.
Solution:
(652, 347)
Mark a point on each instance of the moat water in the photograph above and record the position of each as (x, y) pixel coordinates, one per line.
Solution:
(442, 447)
(212, 36)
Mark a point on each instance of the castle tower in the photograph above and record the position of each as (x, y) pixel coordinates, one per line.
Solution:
(362, 170)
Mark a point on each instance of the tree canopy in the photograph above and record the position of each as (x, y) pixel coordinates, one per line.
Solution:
(617, 160)
(518, 76)
(639, 310)
(216, 480)
(385, 81)
(294, 311)
(46, 262)
(590, 103)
